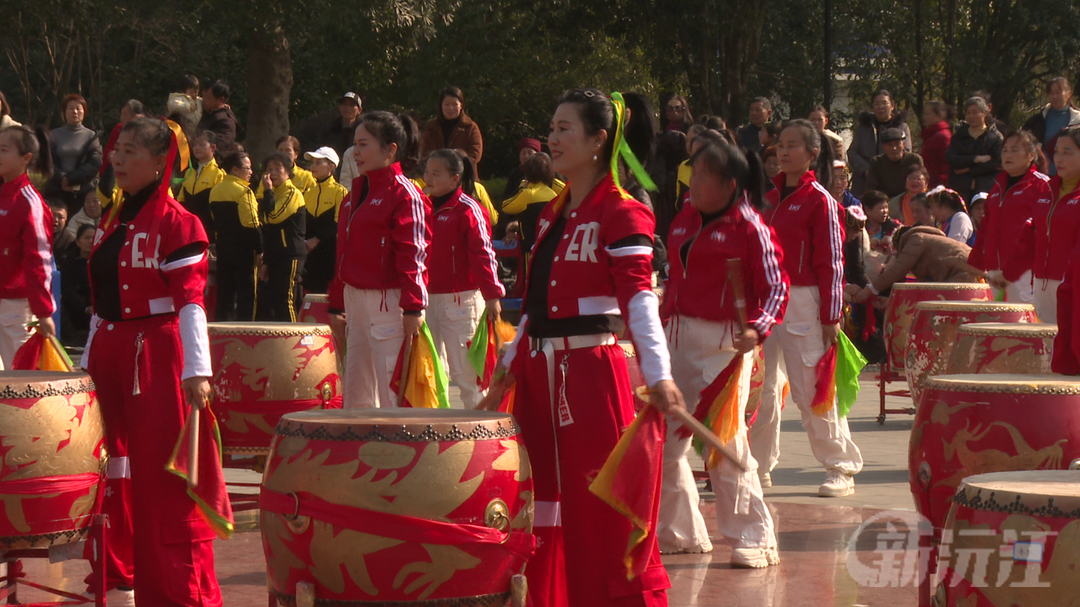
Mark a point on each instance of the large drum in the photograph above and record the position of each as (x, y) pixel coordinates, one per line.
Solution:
(316, 309)
(264, 370)
(1012, 538)
(973, 424)
(933, 334)
(397, 507)
(901, 309)
(996, 347)
(51, 458)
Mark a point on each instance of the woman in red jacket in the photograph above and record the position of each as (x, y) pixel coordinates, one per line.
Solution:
(936, 135)
(1056, 220)
(380, 285)
(463, 278)
(704, 336)
(1006, 229)
(26, 260)
(807, 224)
(589, 279)
(149, 356)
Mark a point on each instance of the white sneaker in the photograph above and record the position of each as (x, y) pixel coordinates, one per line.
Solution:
(750, 558)
(703, 548)
(837, 484)
(766, 480)
(120, 597)
(772, 555)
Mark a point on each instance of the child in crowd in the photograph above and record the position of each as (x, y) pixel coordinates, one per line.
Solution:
(186, 103)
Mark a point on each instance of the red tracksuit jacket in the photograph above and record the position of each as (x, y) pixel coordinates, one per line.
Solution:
(701, 288)
(1057, 225)
(462, 258)
(808, 227)
(26, 235)
(384, 229)
(1007, 226)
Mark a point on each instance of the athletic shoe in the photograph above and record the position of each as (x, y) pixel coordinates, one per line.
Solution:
(837, 484)
(772, 555)
(766, 480)
(702, 548)
(750, 558)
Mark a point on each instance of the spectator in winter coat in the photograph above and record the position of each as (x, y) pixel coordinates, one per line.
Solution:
(185, 106)
(217, 116)
(452, 128)
(866, 144)
(936, 135)
(340, 132)
(1058, 114)
(888, 171)
(819, 117)
(974, 154)
(677, 116)
(527, 146)
(76, 154)
(761, 112)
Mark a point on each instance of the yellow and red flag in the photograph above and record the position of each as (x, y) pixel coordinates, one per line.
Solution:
(718, 408)
(209, 494)
(420, 369)
(629, 482)
(41, 353)
(484, 346)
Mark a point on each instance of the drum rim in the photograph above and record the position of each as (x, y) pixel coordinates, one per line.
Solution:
(1018, 329)
(79, 383)
(268, 329)
(1039, 504)
(941, 286)
(981, 306)
(307, 424)
(316, 297)
(986, 383)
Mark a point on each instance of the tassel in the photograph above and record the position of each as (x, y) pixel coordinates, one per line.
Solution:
(136, 391)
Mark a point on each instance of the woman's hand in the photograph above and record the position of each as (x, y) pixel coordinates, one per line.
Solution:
(337, 323)
(746, 341)
(666, 396)
(981, 158)
(267, 184)
(495, 307)
(46, 326)
(863, 295)
(411, 323)
(311, 243)
(197, 391)
(829, 333)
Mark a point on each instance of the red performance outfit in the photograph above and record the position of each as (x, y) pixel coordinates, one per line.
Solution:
(26, 264)
(1056, 220)
(463, 276)
(700, 305)
(148, 271)
(1006, 231)
(591, 269)
(384, 230)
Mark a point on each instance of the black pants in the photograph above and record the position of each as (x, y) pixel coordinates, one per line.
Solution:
(235, 285)
(319, 267)
(280, 295)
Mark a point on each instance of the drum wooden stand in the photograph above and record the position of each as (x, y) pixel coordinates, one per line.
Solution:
(10, 580)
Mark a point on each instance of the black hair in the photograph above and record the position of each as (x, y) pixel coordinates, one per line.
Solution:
(56, 205)
(922, 199)
(727, 161)
(294, 143)
(450, 91)
(917, 168)
(458, 164)
(1072, 132)
(400, 130)
(872, 198)
(538, 169)
(819, 108)
(823, 164)
(772, 128)
(210, 137)
(1031, 144)
(134, 107)
(687, 117)
(219, 89)
(187, 81)
(153, 134)
(642, 138)
(597, 113)
(82, 229)
(948, 199)
(880, 92)
(35, 142)
(281, 159)
(764, 101)
(232, 161)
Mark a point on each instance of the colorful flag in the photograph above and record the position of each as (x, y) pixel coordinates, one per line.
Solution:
(425, 379)
(838, 377)
(41, 353)
(209, 494)
(718, 408)
(629, 482)
(483, 352)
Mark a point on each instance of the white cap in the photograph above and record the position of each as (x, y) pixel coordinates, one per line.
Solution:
(324, 152)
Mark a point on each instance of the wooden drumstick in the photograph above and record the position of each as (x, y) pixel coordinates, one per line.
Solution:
(707, 436)
(193, 447)
(405, 362)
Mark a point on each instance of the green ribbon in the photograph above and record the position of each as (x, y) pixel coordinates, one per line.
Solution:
(622, 149)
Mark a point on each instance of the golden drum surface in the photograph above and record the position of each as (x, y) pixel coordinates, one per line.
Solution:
(901, 308)
(974, 424)
(998, 347)
(264, 370)
(51, 457)
(933, 333)
(1012, 538)
(369, 506)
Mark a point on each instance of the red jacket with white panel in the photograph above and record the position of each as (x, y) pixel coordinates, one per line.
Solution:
(808, 227)
(26, 235)
(462, 258)
(384, 230)
(1007, 224)
(701, 288)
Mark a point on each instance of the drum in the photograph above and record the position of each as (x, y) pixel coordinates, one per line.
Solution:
(972, 424)
(264, 370)
(1013, 538)
(933, 333)
(316, 309)
(397, 507)
(52, 459)
(901, 308)
(996, 347)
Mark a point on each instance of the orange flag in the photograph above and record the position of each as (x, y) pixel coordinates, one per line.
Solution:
(210, 494)
(718, 408)
(825, 391)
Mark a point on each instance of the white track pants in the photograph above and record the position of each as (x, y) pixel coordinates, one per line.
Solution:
(374, 336)
(452, 318)
(15, 315)
(1046, 299)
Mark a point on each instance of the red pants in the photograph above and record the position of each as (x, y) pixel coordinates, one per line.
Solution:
(582, 540)
(170, 548)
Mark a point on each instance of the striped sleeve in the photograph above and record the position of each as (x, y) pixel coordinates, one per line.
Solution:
(411, 235)
(768, 281)
(827, 247)
(481, 253)
(37, 254)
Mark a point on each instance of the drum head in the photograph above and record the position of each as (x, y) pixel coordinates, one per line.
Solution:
(270, 329)
(398, 424)
(1009, 329)
(974, 306)
(1042, 492)
(940, 286)
(317, 298)
(35, 384)
(1006, 383)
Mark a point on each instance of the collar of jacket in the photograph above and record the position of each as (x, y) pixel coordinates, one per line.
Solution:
(381, 179)
(1003, 178)
(9, 188)
(285, 187)
(237, 180)
(596, 195)
(1055, 187)
(452, 200)
(781, 180)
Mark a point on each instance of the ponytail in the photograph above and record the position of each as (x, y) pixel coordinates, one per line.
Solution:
(458, 163)
(36, 143)
(400, 130)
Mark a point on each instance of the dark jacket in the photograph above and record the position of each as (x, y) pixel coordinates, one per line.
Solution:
(1037, 125)
(465, 137)
(891, 177)
(339, 136)
(223, 123)
(865, 145)
(961, 154)
(935, 141)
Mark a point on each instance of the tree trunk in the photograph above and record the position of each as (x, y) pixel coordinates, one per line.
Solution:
(270, 80)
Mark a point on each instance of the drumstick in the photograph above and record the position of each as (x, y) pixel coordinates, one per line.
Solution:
(707, 436)
(405, 362)
(734, 273)
(193, 447)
